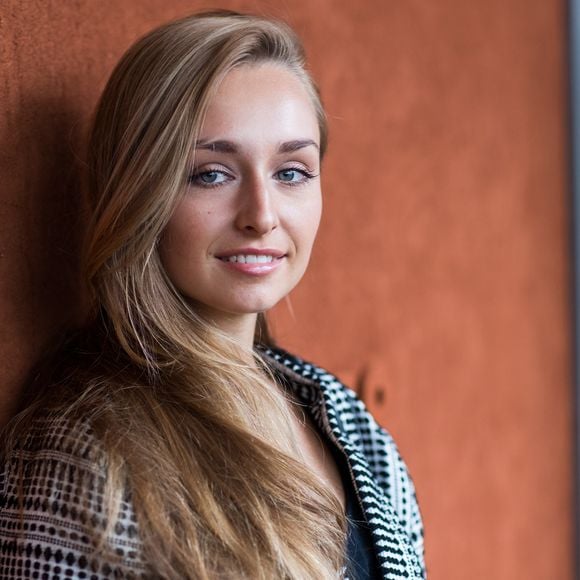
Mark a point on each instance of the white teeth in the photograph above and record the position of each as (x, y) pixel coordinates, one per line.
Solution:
(249, 259)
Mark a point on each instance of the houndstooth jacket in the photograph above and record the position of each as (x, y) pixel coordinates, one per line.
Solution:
(49, 536)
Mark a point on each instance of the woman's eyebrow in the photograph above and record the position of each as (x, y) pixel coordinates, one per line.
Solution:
(290, 146)
(223, 146)
(220, 146)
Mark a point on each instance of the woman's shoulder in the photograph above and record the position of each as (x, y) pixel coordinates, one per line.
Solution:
(52, 505)
(350, 410)
(50, 448)
(50, 434)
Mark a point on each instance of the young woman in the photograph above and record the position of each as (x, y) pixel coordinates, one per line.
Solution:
(168, 437)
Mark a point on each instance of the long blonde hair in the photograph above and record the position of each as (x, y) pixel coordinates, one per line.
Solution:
(200, 435)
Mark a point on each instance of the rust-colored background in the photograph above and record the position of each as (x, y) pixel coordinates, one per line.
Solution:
(440, 282)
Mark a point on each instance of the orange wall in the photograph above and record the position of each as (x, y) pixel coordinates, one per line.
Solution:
(440, 282)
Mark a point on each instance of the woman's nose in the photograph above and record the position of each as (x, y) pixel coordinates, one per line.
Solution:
(257, 211)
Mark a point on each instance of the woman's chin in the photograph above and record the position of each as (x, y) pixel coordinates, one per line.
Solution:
(236, 308)
(255, 308)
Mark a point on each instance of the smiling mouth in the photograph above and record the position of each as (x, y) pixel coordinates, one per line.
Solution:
(251, 259)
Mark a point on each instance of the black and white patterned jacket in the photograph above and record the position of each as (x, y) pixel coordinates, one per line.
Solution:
(48, 537)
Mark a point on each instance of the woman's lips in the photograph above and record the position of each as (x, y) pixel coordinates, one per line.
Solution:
(251, 252)
(252, 261)
(252, 266)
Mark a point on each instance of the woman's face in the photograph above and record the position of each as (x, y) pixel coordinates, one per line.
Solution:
(241, 237)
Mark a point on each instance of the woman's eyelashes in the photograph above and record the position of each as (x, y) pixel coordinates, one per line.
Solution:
(208, 178)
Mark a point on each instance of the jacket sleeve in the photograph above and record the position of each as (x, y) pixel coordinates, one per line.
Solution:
(52, 511)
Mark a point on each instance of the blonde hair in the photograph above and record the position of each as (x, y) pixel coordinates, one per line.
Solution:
(180, 410)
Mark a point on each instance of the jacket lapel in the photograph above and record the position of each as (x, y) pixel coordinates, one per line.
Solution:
(333, 414)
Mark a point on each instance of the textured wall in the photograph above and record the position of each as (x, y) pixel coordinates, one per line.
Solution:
(439, 285)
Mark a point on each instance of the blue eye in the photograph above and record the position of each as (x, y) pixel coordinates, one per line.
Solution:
(208, 178)
(287, 174)
(293, 176)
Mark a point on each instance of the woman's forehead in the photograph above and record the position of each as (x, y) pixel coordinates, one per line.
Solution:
(267, 102)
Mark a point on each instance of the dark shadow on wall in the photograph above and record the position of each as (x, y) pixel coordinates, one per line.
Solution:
(41, 203)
